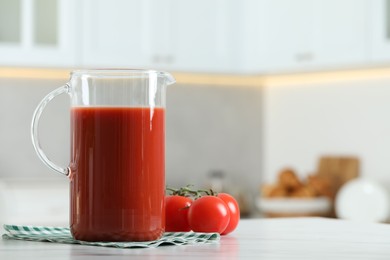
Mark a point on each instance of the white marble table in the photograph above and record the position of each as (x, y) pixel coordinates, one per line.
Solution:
(289, 238)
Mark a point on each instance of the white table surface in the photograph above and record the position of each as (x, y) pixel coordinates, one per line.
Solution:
(287, 238)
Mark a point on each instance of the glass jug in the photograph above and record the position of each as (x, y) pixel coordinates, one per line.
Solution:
(117, 163)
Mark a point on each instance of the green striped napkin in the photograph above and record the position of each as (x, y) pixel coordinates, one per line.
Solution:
(63, 235)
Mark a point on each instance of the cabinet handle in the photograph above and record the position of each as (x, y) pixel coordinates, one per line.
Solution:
(169, 59)
(304, 56)
(156, 59)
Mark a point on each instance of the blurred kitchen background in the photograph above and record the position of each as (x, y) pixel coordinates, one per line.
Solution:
(264, 87)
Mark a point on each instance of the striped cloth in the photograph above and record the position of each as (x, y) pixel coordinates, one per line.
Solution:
(63, 235)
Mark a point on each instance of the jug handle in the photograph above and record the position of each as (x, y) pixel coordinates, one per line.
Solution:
(34, 129)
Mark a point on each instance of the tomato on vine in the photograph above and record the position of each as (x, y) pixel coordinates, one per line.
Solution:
(234, 210)
(208, 214)
(176, 213)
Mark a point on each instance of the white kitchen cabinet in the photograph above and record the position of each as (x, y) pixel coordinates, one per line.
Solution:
(283, 35)
(167, 34)
(37, 33)
(202, 35)
(277, 34)
(247, 36)
(116, 33)
(341, 27)
(380, 31)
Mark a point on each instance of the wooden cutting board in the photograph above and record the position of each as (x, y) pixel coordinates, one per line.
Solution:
(338, 170)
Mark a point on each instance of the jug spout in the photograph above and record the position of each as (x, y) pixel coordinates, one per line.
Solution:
(169, 79)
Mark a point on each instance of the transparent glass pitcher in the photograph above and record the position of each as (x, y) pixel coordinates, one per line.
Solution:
(117, 165)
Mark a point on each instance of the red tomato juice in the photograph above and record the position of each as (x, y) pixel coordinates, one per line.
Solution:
(117, 173)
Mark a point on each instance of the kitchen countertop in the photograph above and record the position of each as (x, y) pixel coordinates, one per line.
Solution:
(284, 238)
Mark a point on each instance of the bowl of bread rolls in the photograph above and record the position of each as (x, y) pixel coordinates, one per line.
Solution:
(291, 196)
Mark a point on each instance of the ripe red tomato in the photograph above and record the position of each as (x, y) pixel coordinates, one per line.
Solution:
(176, 213)
(234, 210)
(208, 214)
